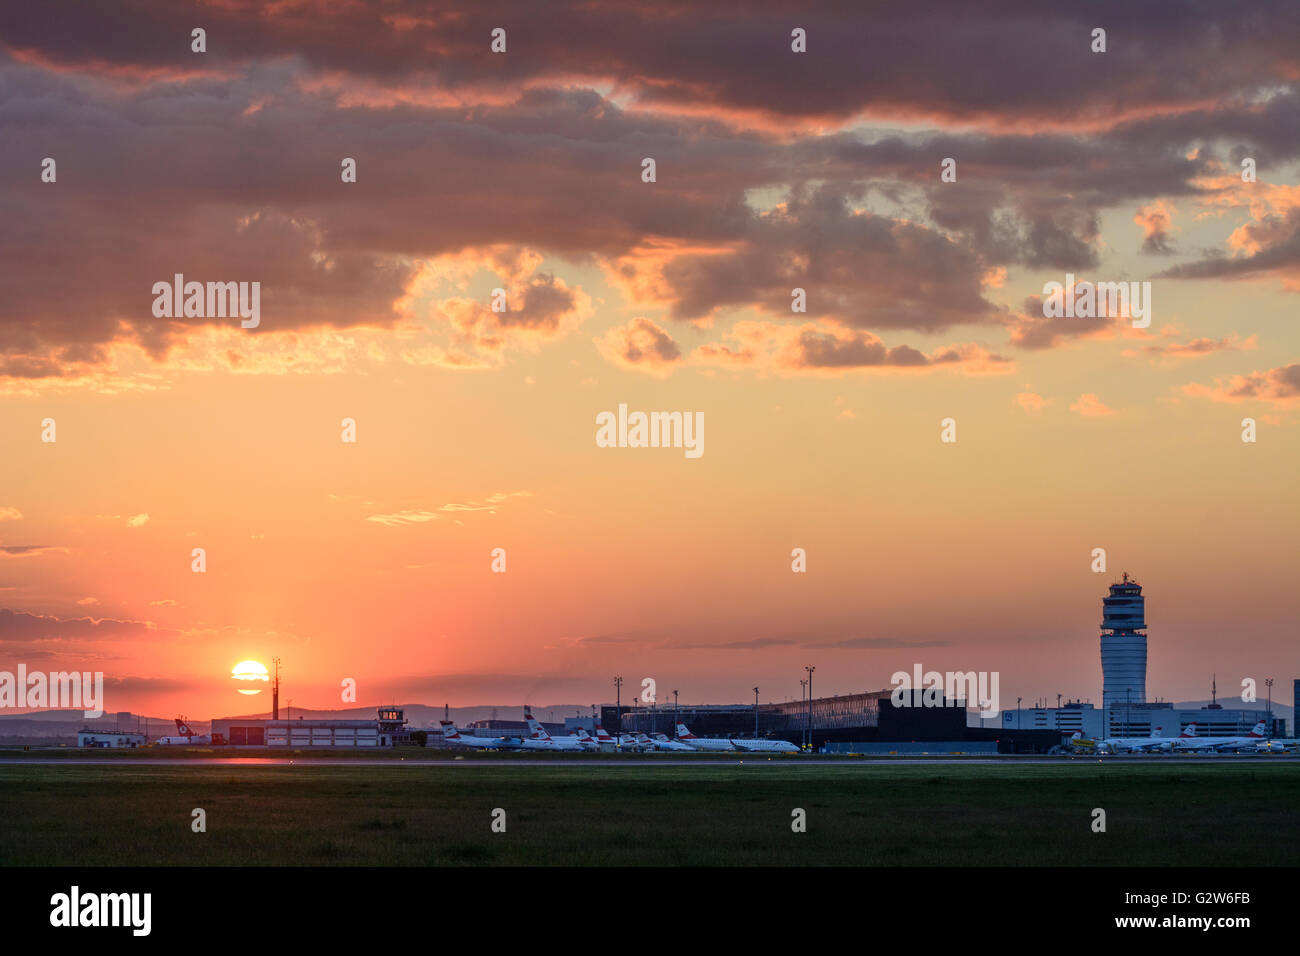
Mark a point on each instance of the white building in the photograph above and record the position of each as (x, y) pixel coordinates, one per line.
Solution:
(1136, 720)
(115, 739)
(299, 733)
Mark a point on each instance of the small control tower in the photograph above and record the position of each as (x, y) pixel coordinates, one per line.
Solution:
(392, 721)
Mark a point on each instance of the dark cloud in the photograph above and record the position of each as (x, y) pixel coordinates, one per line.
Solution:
(864, 269)
(224, 166)
(825, 351)
(18, 626)
(544, 305)
(641, 344)
(1033, 61)
(1277, 242)
(519, 687)
(1197, 347)
(1276, 383)
(1279, 387)
(1033, 330)
(745, 645)
(151, 685)
(874, 643)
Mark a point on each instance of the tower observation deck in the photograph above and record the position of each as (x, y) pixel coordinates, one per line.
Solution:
(1124, 645)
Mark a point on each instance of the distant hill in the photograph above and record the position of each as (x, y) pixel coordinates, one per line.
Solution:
(425, 715)
(60, 726)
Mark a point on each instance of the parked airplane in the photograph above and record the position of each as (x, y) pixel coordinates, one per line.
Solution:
(1116, 745)
(1189, 741)
(702, 743)
(764, 746)
(662, 742)
(1271, 747)
(454, 737)
(185, 736)
(539, 739)
(621, 741)
(580, 741)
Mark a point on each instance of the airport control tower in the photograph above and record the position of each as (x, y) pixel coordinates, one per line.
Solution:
(1123, 645)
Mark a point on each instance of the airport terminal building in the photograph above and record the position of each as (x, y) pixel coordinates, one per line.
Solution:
(855, 723)
(1139, 720)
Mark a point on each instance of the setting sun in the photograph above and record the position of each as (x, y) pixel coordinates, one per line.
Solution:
(251, 674)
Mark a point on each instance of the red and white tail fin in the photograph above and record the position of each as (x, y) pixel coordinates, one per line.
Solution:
(1189, 731)
(183, 728)
(1260, 730)
(603, 737)
(683, 733)
(536, 730)
(449, 731)
(1157, 731)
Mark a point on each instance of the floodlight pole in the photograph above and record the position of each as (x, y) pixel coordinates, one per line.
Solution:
(810, 668)
(803, 697)
(618, 702)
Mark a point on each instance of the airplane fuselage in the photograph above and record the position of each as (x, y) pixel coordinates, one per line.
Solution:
(765, 746)
(716, 744)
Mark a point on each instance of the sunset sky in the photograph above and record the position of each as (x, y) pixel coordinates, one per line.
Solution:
(475, 429)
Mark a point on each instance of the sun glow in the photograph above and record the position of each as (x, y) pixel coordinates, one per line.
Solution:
(250, 675)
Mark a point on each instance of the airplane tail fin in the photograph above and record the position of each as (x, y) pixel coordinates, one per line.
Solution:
(683, 733)
(1259, 730)
(449, 731)
(602, 736)
(1189, 730)
(538, 731)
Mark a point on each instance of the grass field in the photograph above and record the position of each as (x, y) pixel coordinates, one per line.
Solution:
(1037, 814)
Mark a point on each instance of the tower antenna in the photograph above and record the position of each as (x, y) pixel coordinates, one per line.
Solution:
(275, 691)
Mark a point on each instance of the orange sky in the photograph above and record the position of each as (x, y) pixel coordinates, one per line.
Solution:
(372, 560)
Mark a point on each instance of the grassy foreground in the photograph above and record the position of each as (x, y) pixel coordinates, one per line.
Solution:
(604, 814)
